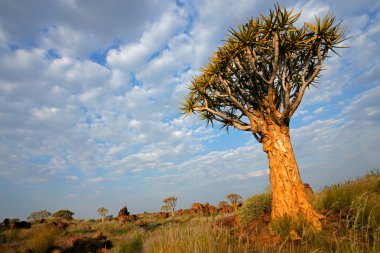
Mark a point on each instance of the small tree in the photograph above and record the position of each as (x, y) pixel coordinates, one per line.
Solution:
(222, 204)
(171, 202)
(39, 215)
(64, 214)
(234, 199)
(255, 82)
(102, 211)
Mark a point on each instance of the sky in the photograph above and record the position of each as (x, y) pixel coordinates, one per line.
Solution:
(89, 97)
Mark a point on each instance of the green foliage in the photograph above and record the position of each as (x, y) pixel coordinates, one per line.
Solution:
(262, 70)
(165, 208)
(171, 203)
(359, 199)
(133, 246)
(38, 215)
(40, 239)
(234, 198)
(65, 214)
(255, 206)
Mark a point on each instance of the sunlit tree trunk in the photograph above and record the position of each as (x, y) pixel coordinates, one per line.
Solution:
(289, 198)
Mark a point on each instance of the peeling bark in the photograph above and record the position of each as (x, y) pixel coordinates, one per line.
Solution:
(289, 198)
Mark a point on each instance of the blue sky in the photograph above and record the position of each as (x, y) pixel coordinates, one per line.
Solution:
(89, 94)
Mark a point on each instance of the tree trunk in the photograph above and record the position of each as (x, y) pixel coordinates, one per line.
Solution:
(102, 218)
(172, 211)
(289, 198)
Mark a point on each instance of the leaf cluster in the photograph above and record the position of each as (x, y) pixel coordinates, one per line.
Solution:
(262, 70)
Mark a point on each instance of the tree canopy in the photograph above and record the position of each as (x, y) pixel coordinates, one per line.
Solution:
(38, 215)
(66, 214)
(262, 70)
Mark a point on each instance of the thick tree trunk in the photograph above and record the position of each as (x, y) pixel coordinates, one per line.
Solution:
(289, 198)
(172, 211)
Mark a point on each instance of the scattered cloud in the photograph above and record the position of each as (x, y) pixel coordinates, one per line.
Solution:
(89, 96)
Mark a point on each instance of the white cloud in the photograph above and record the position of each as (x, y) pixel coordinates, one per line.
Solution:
(68, 117)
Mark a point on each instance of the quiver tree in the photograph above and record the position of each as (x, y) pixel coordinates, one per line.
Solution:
(255, 82)
(165, 208)
(102, 211)
(171, 202)
(234, 199)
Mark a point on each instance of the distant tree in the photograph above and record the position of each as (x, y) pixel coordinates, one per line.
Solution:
(64, 214)
(39, 215)
(171, 202)
(165, 208)
(234, 199)
(256, 81)
(222, 204)
(102, 211)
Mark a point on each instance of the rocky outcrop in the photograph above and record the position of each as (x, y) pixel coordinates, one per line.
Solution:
(308, 190)
(86, 244)
(203, 209)
(19, 224)
(130, 218)
(123, 212)
(226, 209)
(124, 215)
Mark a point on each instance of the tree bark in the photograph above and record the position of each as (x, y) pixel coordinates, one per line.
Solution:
(289, 198)
(172, 212)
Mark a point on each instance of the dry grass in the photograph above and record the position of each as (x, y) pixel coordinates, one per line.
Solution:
(193, 237)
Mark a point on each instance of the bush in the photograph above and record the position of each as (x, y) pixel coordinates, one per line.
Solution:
(255, 206)
(64, 214)
(135, 245)
(39, 215)
(357, 201)
(41, 238)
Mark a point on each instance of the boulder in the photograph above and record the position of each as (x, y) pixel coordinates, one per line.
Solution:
(308, 190)
(19, 224)
(85, 244)
(226, 209)
(203, 209)
(123, 212)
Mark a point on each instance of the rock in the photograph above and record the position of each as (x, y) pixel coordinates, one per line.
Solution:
(123, 212)
(204, 209)
(141, 223)
(86, 244)
(54, 249)
(19, 224)
(59, 224)
(98, 235)
(308, 190)
(126, 218)
(180, 212)
(229, 221)
(226, 209)
(162, 215)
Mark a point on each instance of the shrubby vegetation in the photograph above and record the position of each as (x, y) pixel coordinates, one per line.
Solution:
(351, 224)
(255, 206)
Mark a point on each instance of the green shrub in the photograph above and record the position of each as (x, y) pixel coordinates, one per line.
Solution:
(134, 246)
(339, 197)
(41, 238)
(255, 206)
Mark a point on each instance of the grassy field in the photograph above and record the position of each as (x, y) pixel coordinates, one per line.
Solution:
(351, 224)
